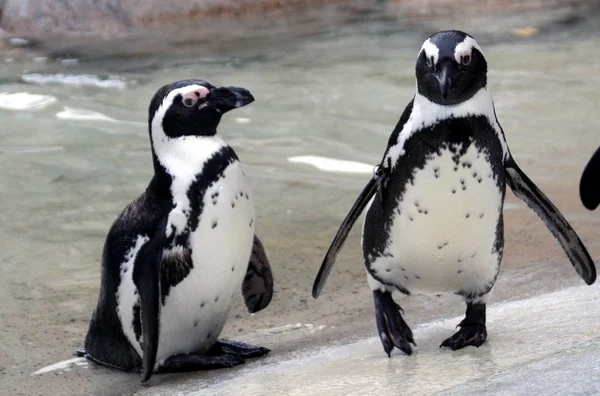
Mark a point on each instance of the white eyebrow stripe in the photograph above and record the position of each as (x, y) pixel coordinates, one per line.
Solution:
(465, 48)
(431, 50)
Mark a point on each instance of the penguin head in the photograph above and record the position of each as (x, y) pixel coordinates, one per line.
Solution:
(450, 68)
(192, 108)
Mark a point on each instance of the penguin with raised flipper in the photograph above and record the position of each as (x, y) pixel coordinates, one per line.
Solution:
(434, 206)
(176, 256)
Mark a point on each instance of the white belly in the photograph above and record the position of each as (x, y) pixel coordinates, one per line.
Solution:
(195, 310)
(443, 234)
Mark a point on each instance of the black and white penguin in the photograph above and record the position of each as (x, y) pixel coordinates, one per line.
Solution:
(176, 256)
(434, 205)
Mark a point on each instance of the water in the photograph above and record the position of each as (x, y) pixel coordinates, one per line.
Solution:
(80, 153)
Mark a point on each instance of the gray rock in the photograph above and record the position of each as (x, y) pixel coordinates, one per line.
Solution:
(114, 18)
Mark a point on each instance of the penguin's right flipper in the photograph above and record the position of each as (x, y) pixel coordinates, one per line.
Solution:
(338, 242)
(529, 193)
(257, 287)
(589, 186)
(146, 277)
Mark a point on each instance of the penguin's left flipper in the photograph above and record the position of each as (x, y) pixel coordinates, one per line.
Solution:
(589, 186)
(257, 287)
(146, 277)
(528, 192)
(340, 238)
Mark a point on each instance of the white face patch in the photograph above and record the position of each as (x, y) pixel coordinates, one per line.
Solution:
(158, 134)
(431, 51)
(465, 48)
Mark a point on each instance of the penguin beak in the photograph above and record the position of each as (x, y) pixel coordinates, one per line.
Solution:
(446, 73)
(228, 98)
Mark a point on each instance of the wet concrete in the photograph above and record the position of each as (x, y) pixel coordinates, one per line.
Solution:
(542, 345)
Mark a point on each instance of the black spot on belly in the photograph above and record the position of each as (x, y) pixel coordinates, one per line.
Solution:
(251, 222)
(417, 276)
(208, 335)
(214, 223)
(247, 196)
(196, 323)
(388, 270)
(201, 305)
(232, 269)
(467, 215)
(454, 191)
(216, 298)
(402, 269)
(479, 180)
(459, 271)
(173, 270)
(481, 215)
(233, 204)
(405, 277)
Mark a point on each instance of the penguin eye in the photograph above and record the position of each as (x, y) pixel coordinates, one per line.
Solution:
(189, 101)
(465, 59)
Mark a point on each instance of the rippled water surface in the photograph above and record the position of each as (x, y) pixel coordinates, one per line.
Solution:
(75, 150)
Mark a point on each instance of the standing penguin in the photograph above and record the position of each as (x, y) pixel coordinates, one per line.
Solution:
(175, 257)
(434, 206)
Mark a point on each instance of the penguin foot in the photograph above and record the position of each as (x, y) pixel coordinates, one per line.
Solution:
(80, 352)
(472, 329)
(393, 330)
(237, 348)
(471, 334)
(196, 362)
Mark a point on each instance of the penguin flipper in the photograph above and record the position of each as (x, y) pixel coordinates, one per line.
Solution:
(589, 186)
(257, 287)
(529, 193)
(340, 238)
(146, 277)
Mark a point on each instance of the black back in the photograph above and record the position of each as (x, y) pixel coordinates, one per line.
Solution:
(105, 341)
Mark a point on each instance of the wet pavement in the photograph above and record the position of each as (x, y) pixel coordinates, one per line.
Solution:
(544, 345)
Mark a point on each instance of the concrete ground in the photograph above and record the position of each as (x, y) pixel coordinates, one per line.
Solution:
(544, 345)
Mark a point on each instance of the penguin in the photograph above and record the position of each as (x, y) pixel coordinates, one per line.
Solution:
(175, 257)
(433, 221)
(588, 184)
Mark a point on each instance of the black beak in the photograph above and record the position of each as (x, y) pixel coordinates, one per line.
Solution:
(228, 98)
(446, 73)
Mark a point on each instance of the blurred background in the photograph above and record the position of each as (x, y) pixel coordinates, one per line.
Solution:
(330, 79)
